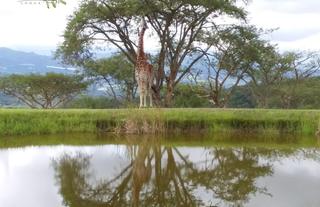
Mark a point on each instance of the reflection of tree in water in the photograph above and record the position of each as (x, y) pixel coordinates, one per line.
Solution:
(230, 175)
(163, 176)
(73, 175)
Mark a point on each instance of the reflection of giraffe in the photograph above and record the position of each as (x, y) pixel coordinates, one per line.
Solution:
(144, 70)
(141, 173)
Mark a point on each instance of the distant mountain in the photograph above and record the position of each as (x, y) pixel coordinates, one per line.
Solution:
(18, 62)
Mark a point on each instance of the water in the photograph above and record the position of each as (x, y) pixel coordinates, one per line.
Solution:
(162, 173)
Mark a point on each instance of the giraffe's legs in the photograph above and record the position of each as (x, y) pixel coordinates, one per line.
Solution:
(141, 100)
(150, 96)
(145, 100)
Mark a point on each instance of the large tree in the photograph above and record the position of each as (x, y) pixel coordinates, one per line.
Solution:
(178, 26)
(44, 91)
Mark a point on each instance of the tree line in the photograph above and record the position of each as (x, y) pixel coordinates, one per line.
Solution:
(194, 45)
(206, 51)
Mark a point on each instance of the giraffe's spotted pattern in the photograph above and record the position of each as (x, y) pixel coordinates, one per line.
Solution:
(143, 70)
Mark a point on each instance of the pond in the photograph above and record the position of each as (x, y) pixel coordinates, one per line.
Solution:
(160, 172)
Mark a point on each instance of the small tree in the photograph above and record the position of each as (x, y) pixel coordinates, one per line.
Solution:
(302, 66)
(42, 91)
(267, 74)
(237, 50)
(280, 75)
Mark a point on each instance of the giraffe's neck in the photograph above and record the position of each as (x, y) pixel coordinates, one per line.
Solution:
(140, 44)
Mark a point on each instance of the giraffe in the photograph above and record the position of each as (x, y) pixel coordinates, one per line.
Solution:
(143, 70)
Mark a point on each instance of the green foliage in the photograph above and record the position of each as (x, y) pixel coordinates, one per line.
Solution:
(242, 98)
(303, 94)
(45, 91)
(239, 50)
(185, 97)
(289, 93)
(279, 80)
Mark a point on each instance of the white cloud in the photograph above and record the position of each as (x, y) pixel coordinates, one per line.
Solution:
(32, 24)
(311, 42)
(288, 6)
(35, 26)
(296, 20)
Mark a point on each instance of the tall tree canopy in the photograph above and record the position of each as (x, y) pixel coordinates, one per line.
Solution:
(179, 27)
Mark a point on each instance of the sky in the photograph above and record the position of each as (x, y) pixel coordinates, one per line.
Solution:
(297, 22)
(33, 27)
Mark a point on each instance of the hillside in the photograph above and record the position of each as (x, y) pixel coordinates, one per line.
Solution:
(13, 61)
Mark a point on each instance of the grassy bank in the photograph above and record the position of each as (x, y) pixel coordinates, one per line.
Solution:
(138, 121)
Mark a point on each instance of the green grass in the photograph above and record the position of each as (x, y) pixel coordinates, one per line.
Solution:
(28, 122)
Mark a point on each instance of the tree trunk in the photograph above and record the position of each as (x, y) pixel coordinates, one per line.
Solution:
(156, 96)
(169, 93)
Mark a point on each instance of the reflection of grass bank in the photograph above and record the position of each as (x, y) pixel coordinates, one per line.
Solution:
(187, 140)
(135, 121)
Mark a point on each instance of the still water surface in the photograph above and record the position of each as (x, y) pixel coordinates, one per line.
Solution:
(153, 174)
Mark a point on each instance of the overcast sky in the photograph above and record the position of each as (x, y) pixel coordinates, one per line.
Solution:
(25, 26)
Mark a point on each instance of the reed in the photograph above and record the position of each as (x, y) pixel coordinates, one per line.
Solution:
(144, 121)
